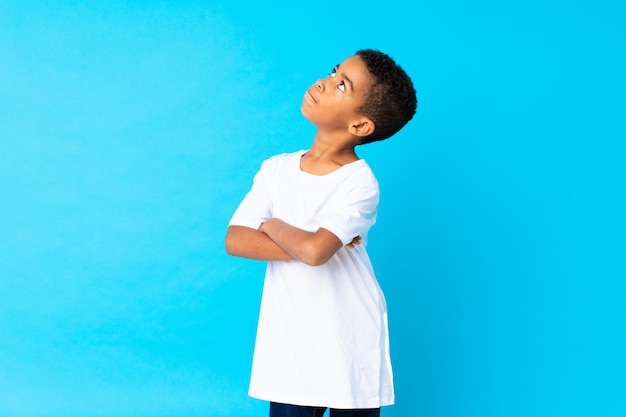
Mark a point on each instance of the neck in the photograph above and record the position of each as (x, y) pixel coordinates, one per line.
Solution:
(333, 147)
(325, 156)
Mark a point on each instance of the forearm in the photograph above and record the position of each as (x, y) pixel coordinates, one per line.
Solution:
(249, 243)
(312, 248)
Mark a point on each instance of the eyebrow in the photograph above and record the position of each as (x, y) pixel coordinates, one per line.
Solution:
(345, 77)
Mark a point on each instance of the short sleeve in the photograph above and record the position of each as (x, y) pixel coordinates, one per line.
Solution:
(256, 206)
(353, 211)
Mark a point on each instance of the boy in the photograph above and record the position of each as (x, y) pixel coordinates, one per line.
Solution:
(322, 333)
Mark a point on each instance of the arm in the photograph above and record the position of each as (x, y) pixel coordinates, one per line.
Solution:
(312, 248)
(252, 244)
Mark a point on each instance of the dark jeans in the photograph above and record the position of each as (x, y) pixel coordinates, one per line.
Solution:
(287, 410)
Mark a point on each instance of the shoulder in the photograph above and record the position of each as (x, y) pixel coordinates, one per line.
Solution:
(359, 184)
(279, 164)
(282, 159)
(359, 174)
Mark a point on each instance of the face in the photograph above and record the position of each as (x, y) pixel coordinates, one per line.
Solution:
(332, 103)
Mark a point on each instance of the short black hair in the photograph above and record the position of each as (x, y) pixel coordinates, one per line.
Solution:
(391, 100)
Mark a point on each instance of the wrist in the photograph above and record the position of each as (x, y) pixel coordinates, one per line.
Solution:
(263, 227)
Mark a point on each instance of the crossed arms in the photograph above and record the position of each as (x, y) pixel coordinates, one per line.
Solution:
(276, 240)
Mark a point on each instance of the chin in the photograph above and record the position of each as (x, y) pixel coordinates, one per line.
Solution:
(304, 112)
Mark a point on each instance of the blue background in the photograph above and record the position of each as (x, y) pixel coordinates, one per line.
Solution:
(130, 130)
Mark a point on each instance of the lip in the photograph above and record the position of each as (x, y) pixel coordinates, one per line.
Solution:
(310, 95)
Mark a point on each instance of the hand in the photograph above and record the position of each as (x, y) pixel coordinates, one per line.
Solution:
(356, 241)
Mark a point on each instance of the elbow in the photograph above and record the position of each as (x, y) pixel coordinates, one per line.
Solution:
(312, 256)
(319, 249)
(230, 245)
(316, 261)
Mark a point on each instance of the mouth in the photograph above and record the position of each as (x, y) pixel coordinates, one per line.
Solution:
(310, 96)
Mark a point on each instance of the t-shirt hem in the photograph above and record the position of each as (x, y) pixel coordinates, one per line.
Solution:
(337, 231)
(253, 225)
(337, 403)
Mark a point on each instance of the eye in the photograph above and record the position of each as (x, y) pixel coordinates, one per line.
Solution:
(342, 87)
(333, 72)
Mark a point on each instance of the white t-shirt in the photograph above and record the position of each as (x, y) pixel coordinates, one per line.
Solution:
(322, 336)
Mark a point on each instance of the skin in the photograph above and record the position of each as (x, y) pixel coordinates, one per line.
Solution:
(331, 104)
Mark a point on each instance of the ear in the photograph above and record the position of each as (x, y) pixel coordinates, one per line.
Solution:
(362, 127)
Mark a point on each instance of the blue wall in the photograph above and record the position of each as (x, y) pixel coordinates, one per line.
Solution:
(129, 131)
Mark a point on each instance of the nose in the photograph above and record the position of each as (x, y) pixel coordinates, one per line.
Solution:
(319, 84)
